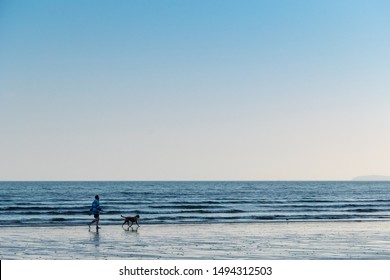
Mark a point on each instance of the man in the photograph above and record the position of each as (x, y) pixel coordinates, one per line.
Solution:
(95, 210)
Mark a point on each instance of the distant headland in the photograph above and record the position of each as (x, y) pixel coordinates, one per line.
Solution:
(372, 178)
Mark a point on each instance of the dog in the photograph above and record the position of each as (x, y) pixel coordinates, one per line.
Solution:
(131, 220)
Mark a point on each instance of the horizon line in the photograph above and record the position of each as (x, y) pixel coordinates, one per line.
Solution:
(211, 180)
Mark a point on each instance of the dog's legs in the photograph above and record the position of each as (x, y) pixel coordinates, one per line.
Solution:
(125, 222)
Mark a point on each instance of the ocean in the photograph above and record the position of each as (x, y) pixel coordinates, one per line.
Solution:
(68, 203)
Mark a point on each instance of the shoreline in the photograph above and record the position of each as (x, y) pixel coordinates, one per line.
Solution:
(266, 240)
(102, 223)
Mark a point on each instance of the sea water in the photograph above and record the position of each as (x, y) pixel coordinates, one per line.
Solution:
(68, 203)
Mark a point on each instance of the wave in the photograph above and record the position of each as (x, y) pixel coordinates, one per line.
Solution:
(68, 203)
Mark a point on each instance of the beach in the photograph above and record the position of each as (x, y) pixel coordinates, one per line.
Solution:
(271, 241)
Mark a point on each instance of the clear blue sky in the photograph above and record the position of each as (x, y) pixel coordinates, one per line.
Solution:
(194, 90)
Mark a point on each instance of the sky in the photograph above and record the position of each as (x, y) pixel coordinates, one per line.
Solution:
(194, 90)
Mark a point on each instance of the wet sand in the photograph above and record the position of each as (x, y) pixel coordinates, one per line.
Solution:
(270, 241)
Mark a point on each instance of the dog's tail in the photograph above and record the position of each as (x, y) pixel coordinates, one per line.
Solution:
(123, 217)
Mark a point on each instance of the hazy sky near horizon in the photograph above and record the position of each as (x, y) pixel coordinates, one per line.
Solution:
(194, 90)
